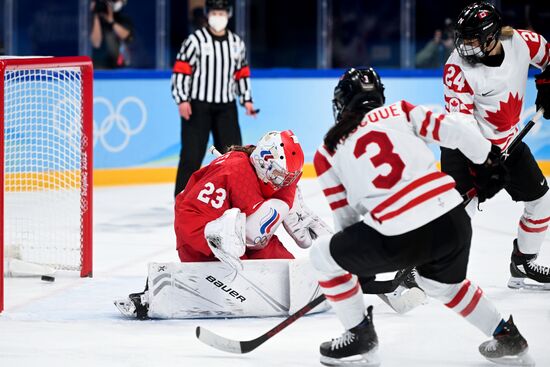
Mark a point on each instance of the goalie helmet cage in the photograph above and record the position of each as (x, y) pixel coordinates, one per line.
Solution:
(46, 148)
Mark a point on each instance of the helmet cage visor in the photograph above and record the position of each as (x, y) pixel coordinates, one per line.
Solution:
(279, 176)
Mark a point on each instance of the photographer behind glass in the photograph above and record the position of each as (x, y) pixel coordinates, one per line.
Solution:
(111, 30)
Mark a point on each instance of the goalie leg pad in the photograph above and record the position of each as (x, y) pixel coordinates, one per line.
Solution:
(467, 300)
(204, 289)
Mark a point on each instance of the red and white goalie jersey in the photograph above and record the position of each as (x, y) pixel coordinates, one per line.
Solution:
(495, 95)
(227, 182)
(385, 172)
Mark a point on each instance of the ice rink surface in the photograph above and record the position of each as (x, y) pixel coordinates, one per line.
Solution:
(72, 322)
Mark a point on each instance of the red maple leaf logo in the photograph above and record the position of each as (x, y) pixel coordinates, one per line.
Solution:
(507, 116)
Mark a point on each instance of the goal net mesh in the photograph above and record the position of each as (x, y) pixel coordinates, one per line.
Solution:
(42, 166)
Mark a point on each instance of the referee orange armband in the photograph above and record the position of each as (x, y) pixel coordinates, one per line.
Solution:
(183, 67)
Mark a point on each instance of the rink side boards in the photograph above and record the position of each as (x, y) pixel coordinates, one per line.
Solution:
(145, 176)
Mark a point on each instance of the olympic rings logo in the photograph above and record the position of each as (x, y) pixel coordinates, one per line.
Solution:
(117, 119)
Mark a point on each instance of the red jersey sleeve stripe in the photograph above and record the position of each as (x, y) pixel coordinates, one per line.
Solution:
(437, 125)
(473, 303)
(182, 67)
(321, 164)
(407, 189)
(336, 281)
(425, 124)
(460, 295)
(339, 204)
(531, 229)
(334, 190)
(243, 72)
(344, 295)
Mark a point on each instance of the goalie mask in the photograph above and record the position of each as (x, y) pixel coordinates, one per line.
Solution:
(478, 25)
(358, 90)
(278, 159)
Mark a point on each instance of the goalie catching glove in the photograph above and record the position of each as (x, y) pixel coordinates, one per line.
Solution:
(490, 176)
(302, 224)
(226, 237)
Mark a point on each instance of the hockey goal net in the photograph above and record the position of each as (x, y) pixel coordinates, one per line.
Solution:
(46, 156)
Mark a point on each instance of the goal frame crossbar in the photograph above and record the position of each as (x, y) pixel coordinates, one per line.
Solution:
(85, 65)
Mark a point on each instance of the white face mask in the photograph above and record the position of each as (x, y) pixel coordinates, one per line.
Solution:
(218, 22)
(117, 6)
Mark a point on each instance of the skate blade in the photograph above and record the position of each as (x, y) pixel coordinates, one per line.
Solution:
(126, 307)
(523, 359)
(370, 359)
(520, 283)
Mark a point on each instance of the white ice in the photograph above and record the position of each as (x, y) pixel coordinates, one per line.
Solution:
(72, 322)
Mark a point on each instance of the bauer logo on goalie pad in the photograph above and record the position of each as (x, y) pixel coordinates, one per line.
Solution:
(233, 293)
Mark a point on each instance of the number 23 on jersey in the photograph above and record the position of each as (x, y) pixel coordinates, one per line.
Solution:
(213, 196)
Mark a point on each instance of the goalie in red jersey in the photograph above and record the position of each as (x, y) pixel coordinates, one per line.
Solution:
(229, 211)
(485, 77)
(231, 208)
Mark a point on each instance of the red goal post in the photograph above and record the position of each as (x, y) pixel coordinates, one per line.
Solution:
(46, 150)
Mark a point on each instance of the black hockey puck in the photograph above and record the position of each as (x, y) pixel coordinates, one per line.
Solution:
(47, 278)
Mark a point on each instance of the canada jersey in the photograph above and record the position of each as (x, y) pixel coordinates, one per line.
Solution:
(385, 173)
(495, 95)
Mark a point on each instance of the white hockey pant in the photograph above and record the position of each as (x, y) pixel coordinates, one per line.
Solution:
(467, 300)
(339, 286)
(533, 224)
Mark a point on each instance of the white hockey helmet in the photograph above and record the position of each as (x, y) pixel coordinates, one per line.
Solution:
(278, 159)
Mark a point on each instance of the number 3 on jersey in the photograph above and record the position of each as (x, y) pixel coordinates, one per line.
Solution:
(386, 155)
(205, 195)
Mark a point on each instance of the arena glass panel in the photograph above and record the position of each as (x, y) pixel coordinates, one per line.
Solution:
(365, 34)
(283, 34)
(47, 27)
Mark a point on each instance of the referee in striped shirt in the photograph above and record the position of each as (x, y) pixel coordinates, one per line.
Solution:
(210, 69)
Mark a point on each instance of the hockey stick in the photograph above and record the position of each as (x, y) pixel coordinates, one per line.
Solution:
(241, 347)
(519, 137)
(214, 151)
(468, 196)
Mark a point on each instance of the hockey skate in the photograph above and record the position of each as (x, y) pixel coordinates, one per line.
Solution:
(526, 273)
(508, 347)
(134, 306)
(357, 347)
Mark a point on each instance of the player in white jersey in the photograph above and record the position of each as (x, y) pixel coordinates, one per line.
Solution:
(485, 77)
(393, 209)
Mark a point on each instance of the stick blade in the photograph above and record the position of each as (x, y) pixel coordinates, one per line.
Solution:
(218, 341)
